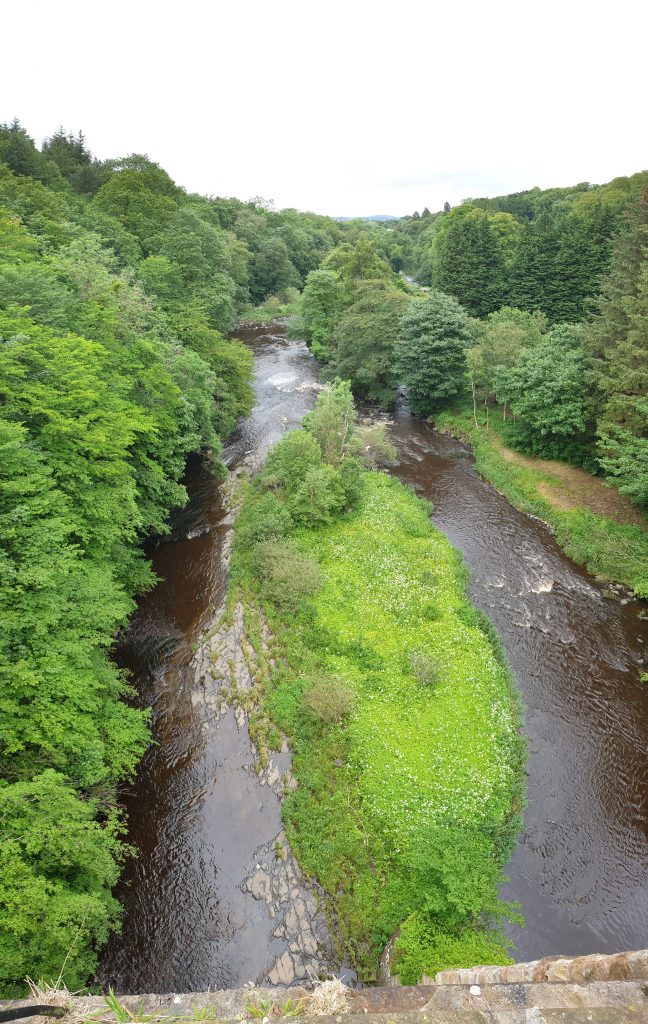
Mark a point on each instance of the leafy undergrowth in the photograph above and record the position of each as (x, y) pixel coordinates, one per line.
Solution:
(611, 550)
(401, 715)
(273, 308)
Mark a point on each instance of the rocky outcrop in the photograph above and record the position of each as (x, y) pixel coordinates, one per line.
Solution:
(230, 668)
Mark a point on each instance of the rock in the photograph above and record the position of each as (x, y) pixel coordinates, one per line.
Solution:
(283, 970)
(259, 885)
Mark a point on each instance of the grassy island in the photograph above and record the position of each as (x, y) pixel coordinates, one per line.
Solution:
(394, 694)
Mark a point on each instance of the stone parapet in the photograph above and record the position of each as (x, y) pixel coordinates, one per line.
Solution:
(629, 966)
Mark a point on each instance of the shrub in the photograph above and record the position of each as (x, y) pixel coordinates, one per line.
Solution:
(351, 473)
(425, 667)
(424, 948)
(261, 519)
(289, 461)
(287, 577)
(321, 496)
(330, 699)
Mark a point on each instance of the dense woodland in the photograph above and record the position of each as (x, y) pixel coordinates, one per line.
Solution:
(535, 303)
(117, 289)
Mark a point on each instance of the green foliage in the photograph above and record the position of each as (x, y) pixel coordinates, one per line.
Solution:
(321, 305)
(536, 250)
(469, 256)
(105, 388)
(320, 497)
(617, 342)
(430, 352)
(548, 394)
(265, 518)
(423, 948)
(329, 699)
(332, 422)
(391, 821)
(365, 335)
(286, 576)
(289, 462)
(58, 868)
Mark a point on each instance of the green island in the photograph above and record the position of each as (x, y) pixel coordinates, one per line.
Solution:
(394, 694)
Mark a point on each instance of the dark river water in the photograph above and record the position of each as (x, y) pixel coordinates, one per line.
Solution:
(579, 870)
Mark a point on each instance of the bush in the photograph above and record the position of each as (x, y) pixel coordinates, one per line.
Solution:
(261, 519)
(424, 948)
(287, 577)
(321, 496)
(289, 461)
(329, 699)
(426, 668)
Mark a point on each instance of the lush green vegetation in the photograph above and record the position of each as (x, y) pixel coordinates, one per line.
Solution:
(394, 694)
(115, 290)
(540, 250)
(565, 361)
(609, 549)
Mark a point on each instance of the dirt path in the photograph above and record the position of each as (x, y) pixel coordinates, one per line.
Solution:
(576, 488)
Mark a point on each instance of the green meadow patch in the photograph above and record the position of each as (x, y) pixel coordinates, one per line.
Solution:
(404, 726)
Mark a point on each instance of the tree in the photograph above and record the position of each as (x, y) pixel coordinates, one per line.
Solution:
(68, 152)
(272, 269)
(548, 394)
(359, 262)
(138, 207)
(617, 342)
(469, 259)
(365, 338)
(320, 308)
(19, 152)
(332, 422)
(430, 352)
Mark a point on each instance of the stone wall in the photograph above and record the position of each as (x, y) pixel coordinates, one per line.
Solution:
(631, 966)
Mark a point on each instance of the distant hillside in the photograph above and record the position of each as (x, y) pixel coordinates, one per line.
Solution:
(375, 216)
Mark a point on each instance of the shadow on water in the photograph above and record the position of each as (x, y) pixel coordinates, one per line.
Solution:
(579, 869)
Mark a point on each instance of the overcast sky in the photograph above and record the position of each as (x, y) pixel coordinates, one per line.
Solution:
(344, 107)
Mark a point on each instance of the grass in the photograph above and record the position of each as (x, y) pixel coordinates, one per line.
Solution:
(273, 308)
(410, 804)
(608, 548)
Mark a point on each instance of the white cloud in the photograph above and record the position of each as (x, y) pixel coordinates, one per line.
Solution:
(344, 107)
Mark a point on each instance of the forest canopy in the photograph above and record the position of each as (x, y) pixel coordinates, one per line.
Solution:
(117, 289)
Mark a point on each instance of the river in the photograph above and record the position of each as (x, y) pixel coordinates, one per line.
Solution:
(195, 817)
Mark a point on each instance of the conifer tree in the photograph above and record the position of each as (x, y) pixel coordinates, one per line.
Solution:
(617, 341)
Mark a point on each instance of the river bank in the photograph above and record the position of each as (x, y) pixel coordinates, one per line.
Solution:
(593, 524)
(398, 705)
(579, 868)
(199, 819)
